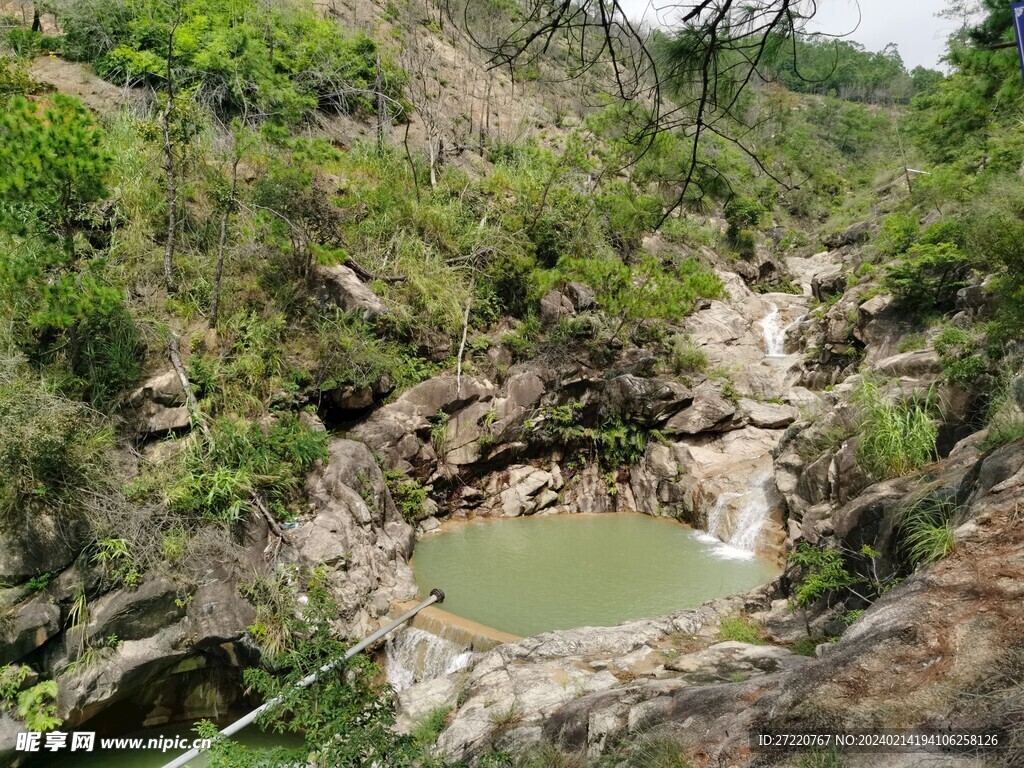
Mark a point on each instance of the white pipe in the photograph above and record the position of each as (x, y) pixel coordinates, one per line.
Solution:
(436, 596)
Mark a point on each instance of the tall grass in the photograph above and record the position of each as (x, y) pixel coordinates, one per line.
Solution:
(898, 435)
(927, 530)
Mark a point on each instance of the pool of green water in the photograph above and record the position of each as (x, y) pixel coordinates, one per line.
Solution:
(533, 574)
(154, 758)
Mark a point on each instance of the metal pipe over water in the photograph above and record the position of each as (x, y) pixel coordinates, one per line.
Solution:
(436, 596)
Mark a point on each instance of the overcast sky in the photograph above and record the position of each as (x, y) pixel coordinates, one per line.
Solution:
(911, 24)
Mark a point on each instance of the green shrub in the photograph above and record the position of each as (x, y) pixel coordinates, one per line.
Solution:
(37, 706)
(620, 443)
(350, 355)
(961, 353)
(627, 217)
(929, 276)
(408, 495)
(824, 573)
(686, 358)
(346, 717)
(742, 215)
(114, 557)
(24, 42)
(55, 160)
(926, 532)
(14, 81)
(426, 731)
(241, 464)
(898, 436)
(899, 233)
(648, 290)
(284, 61)
(519, 347)
(11, 679)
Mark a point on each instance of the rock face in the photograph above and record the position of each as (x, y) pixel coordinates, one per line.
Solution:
(43, 544)
(508, 694)
(342, 287)
(176, 651)
(358, 534)
(158, 406)
(36, 622)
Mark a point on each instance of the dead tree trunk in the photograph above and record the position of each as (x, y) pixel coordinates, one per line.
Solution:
(222, 242)
(378, 87)
(172, 189)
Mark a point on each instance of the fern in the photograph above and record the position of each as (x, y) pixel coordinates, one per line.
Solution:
(37, 706)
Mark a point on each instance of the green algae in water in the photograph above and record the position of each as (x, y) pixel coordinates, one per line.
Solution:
(251, 737)
(535, 574)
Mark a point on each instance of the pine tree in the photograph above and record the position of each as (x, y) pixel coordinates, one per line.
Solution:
(55, 163)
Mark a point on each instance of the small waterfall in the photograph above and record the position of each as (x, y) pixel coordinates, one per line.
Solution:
(736, 519)
(774, 333)
(414, 656)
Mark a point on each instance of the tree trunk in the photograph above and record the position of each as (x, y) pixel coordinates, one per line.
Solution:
(433, 162)
(221, 242)
(172, 190)
(378, 88)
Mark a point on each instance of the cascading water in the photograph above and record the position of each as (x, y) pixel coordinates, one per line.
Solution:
(774, 333)
(737, 519)
(415, 656)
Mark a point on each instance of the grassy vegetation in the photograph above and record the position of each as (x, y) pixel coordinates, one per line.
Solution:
(741, 630)
(898, 435)
(242, 465)
(429, 728)
(612, 444)
(825, 573)
(262, 207)
(52, 449)
(927, 530)
(36, 705)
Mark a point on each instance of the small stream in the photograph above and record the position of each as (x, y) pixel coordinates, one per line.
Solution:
(414, 655)
(774, 333)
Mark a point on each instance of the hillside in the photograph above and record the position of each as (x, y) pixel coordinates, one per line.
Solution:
(286, 288)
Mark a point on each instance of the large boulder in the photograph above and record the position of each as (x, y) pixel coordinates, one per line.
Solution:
(393, 429)
(852, 235)
(641, 400)
(42, 544)
(357, 533)
(342, 287)
(157, 408)
(709, 412)
(767, 415)
(32, 624)
(555, 306)
(132, 614)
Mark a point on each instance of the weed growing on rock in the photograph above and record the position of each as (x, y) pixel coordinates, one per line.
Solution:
(927, 530)
(740, 629)
(898, 435)
(429, 728)
(407, 494)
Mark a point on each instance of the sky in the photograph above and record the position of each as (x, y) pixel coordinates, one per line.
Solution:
(911, 24)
